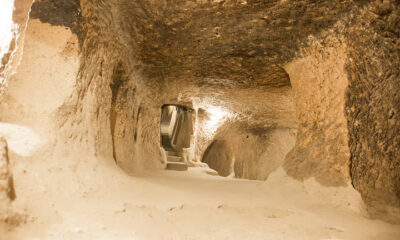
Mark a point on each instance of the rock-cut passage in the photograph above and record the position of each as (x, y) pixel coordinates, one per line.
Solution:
(282, 116)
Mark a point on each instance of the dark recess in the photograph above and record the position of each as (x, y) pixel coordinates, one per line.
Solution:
(58, 13)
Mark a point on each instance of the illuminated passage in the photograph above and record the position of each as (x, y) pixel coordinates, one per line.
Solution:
(176, 130)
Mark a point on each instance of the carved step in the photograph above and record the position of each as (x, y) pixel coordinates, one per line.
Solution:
(176, 166)
(171, 153)
(174, 159)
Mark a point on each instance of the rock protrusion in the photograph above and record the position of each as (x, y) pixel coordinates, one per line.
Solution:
(7, 193)
(219, 156)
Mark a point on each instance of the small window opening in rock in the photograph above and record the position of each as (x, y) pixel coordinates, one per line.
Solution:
(176, 129)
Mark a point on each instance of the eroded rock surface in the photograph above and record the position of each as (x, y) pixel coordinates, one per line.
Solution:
(248, 152)
(373, 106)
(7, 192)
(219, 156)
(319, 83)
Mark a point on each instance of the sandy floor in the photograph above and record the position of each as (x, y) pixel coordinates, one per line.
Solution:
(92, 201)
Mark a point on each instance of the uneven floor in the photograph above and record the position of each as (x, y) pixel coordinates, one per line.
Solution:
(92, 201)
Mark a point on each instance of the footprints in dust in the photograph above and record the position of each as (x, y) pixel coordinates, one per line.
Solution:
(176, 208)
(263, 212)
(128, 207)
(277, 213)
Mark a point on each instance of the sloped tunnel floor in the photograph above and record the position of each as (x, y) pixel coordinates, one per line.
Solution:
(94, 201)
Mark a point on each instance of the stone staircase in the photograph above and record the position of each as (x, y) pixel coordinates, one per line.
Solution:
(175, 162)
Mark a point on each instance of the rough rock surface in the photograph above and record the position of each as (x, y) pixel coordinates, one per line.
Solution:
(12, 58)
(219, 156)
(58, 13)
(257, 156)
(251, 153)
(7, 192)
(373, 106)
(319, 82)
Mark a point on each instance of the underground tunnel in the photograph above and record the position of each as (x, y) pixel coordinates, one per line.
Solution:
(199, 119)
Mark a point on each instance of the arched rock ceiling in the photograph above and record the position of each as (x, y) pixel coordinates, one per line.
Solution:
(228, 52)
(225, 39)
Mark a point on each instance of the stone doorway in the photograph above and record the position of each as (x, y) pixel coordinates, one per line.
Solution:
(176, 129)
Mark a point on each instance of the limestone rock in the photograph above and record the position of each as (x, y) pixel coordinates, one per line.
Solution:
(219, 156)
(6, 181)
(373, 108)
(7, 193)
(319, 83)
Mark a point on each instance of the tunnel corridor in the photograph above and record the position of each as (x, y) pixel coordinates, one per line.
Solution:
(199, 119)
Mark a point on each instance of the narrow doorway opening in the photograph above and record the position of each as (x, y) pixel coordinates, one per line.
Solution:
(176, 129)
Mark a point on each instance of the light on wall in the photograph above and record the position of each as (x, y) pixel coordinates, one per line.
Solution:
(6, 31)
(21, 140)
(6, 25)
(217, 117)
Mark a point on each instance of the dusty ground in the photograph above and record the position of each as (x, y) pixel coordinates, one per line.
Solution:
(66, 200)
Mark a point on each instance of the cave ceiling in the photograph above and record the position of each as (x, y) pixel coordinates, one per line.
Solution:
(229, 53)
